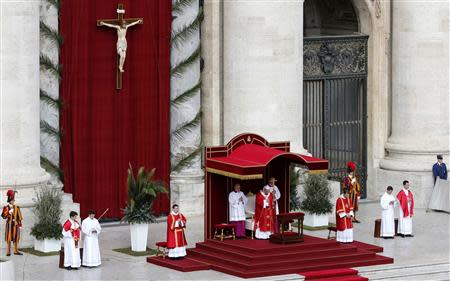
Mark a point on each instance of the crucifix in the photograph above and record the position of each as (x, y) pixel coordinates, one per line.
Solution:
(121, 25)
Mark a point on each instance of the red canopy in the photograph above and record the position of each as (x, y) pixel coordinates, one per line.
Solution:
(248, 161)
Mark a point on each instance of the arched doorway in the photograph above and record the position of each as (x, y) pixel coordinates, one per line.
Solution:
(335, 86)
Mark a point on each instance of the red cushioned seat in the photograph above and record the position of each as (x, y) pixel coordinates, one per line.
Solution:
(161, 244)
(224, 226)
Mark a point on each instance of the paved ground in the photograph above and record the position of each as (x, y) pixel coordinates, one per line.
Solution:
(428, 251)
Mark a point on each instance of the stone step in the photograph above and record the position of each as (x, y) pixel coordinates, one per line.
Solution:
(434, 271)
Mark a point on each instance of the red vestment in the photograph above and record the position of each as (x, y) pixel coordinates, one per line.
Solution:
(343, 205)
(76, 233)
(403, 199)
(264, 217)
(175, 234)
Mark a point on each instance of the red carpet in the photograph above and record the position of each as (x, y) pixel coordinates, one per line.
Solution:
(343, 274)
(257, 258)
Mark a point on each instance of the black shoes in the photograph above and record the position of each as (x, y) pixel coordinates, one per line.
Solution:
(18, 254)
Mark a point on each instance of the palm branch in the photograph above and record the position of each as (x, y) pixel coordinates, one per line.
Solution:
(181, 67)
(183, 34)
(188, 94)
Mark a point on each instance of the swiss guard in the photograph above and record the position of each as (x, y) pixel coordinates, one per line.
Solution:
(11, 213)
(354, 189)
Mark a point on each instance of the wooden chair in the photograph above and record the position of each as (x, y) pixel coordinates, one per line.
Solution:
(332, 229)
(161, 249)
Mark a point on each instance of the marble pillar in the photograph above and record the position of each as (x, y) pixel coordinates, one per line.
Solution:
(19, 110)
(420, 96)
(186, 185)
(263, 70)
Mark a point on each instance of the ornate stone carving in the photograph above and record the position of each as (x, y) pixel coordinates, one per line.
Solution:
(335, 56)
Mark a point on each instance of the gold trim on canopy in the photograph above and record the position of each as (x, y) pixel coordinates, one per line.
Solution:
(233, 175)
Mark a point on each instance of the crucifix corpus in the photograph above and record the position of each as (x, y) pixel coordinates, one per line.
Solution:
(121, 25)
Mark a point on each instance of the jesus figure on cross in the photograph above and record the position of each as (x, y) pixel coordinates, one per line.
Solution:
(121, 27)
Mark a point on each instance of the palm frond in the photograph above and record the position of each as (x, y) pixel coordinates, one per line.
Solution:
(50, 34)
(187, 127)
(179, 68)
(50, 131)
(47, 64)
(49, 100)
(52, 168)
(179, 5)
(188, 94)
(187, 161)
(183, 34)
(55, 3)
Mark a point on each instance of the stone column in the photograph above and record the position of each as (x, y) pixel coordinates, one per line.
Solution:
(263, 69)
(19, 98)
(420, 95)
(19, 106)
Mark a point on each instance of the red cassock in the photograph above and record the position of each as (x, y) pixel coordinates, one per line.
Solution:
(175, 235)
(403, 199)
(76, 233)
(264, 217)
(343, 205)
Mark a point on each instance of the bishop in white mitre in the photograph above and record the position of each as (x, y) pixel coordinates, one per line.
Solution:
(387, 203)
(237, 201)
(91, 251)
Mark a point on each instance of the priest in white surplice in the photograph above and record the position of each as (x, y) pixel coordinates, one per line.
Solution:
(237, 201)
(387, 215)
(91, 251)
(406, 210)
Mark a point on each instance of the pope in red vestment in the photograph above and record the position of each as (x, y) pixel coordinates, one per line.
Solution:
(176, 240)
(264, 214)
(344, 214)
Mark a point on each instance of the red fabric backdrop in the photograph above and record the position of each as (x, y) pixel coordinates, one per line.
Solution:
(104, 130)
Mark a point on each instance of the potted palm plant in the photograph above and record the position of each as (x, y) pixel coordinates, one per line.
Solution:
(142, 190)
(317, 200)
(47, 231)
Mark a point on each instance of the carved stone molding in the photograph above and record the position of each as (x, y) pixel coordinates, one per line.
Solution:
(335, 56)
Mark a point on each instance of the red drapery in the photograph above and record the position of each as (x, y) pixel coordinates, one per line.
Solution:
(104, 130)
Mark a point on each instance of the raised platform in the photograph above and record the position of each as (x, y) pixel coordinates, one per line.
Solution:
(257, 258)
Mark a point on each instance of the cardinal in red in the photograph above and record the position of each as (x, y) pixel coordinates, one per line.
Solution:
(406, 201)
(176, 240)
(264, 213)
(344, 215)
(11, 213)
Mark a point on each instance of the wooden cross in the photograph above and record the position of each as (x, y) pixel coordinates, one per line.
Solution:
(121, 25)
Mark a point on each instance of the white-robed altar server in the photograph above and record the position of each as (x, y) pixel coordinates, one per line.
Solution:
(71, 232)
(275, 191)
(406, 211)
(237, 201)
(91, 251)
(387, 203)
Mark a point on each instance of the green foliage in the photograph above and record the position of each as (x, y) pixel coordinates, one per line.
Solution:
(188, 94)
(55, 3)
(48, 211)
(294, 179)
(142, 190)
(183, 34)
(51, 34)
(180, 132)
(182, 66)
(186, 161)
(50, 131)
(178, 6)
(47, 64)
(52, 168)
(317, 195)
(49, 100)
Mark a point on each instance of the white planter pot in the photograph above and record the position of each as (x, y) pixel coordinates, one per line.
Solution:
(6, 270)
(47, 245)
(139, 232)
(315, 220)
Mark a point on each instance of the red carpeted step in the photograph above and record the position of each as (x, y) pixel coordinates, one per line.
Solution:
(286, 262)
(328, 273)
(368, 247)
(343, 278)
(185, 265)
(222, 249)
